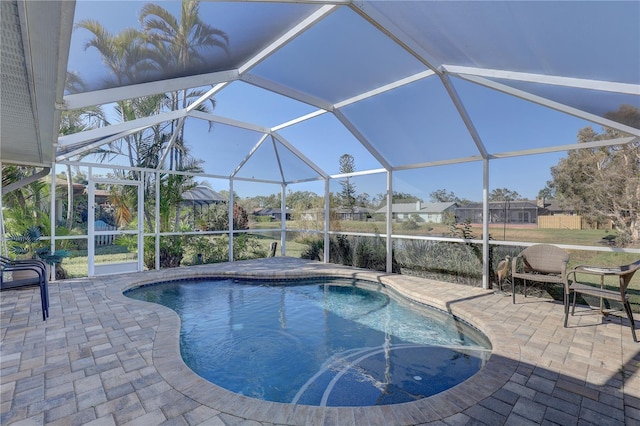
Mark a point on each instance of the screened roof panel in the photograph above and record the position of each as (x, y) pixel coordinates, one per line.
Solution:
(262, 164)
(221, 148)
(339, 57)
(112, 151)
(324, 139)
(294, 168)
(275, 162)
(597, 102)
(513, 124)
(412, 124)
(595, 40)
(325, 55)
(238, 31)
(244, 102)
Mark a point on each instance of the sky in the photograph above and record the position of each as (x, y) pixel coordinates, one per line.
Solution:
(414, 124)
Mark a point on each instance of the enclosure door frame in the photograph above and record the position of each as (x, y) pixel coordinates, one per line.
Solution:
(92, 233)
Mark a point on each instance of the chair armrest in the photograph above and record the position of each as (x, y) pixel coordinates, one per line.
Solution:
(597, 270)
(12, 268)
(25, 267)
(29, 262)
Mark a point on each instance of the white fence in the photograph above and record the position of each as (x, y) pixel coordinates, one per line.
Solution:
(104, 240)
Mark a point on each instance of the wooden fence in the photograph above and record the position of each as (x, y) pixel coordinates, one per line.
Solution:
(564, 221)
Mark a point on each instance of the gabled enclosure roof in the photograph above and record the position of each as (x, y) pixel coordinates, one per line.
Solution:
(405, 84)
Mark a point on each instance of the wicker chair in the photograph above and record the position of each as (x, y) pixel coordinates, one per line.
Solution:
(624, 273)
(541, 263)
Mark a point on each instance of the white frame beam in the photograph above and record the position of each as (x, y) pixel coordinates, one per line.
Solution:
(105, 96)
(280, 89)
(581, 83)
(227, 121)
(131, 126)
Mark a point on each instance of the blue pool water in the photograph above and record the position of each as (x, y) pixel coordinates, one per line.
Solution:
(324, 342)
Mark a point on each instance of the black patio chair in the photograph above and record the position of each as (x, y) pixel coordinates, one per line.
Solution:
(39, 278)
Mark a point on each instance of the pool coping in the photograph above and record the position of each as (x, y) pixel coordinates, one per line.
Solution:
(497, 371)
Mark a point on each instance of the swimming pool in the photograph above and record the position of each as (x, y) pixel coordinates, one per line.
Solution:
(324, 342)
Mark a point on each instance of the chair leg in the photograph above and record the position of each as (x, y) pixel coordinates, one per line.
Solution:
(46, 295)
(46, 298)
(43, 303)
(513, 289)
(524, 284)
(566, 309)
(573, 307)
(627, 307)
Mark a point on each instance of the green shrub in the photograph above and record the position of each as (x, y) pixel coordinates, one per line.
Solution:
(361, 252)
(440, 260)
(314, 249)
(262, 218)
(411, 224)
(370, 253)
(340, 250)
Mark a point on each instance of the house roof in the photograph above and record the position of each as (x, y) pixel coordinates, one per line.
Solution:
(202, 195)
(269, 211)
(511, 205)
(63, 183)
(354, 210)
(418, 207)
(554, 206)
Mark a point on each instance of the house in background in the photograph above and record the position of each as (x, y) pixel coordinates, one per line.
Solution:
(355, 213)
(274, 214)
(198, 201)
(340, 213)
(554, 207)
(316, 214)
(425, 212)
(62, 195)
(201, 196)
(554, 214)
(519, 211)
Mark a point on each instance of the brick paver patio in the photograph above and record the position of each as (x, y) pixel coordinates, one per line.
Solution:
(104, 359)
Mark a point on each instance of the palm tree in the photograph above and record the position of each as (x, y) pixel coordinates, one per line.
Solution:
(179, 47)
(179, 44)
(125, 54)
(23, 207)
(73, 122)
(172, 47)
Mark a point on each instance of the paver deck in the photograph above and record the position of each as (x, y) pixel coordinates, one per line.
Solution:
(104, 359)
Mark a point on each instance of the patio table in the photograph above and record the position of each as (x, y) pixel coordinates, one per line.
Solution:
(602, 272)
(624, 274)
